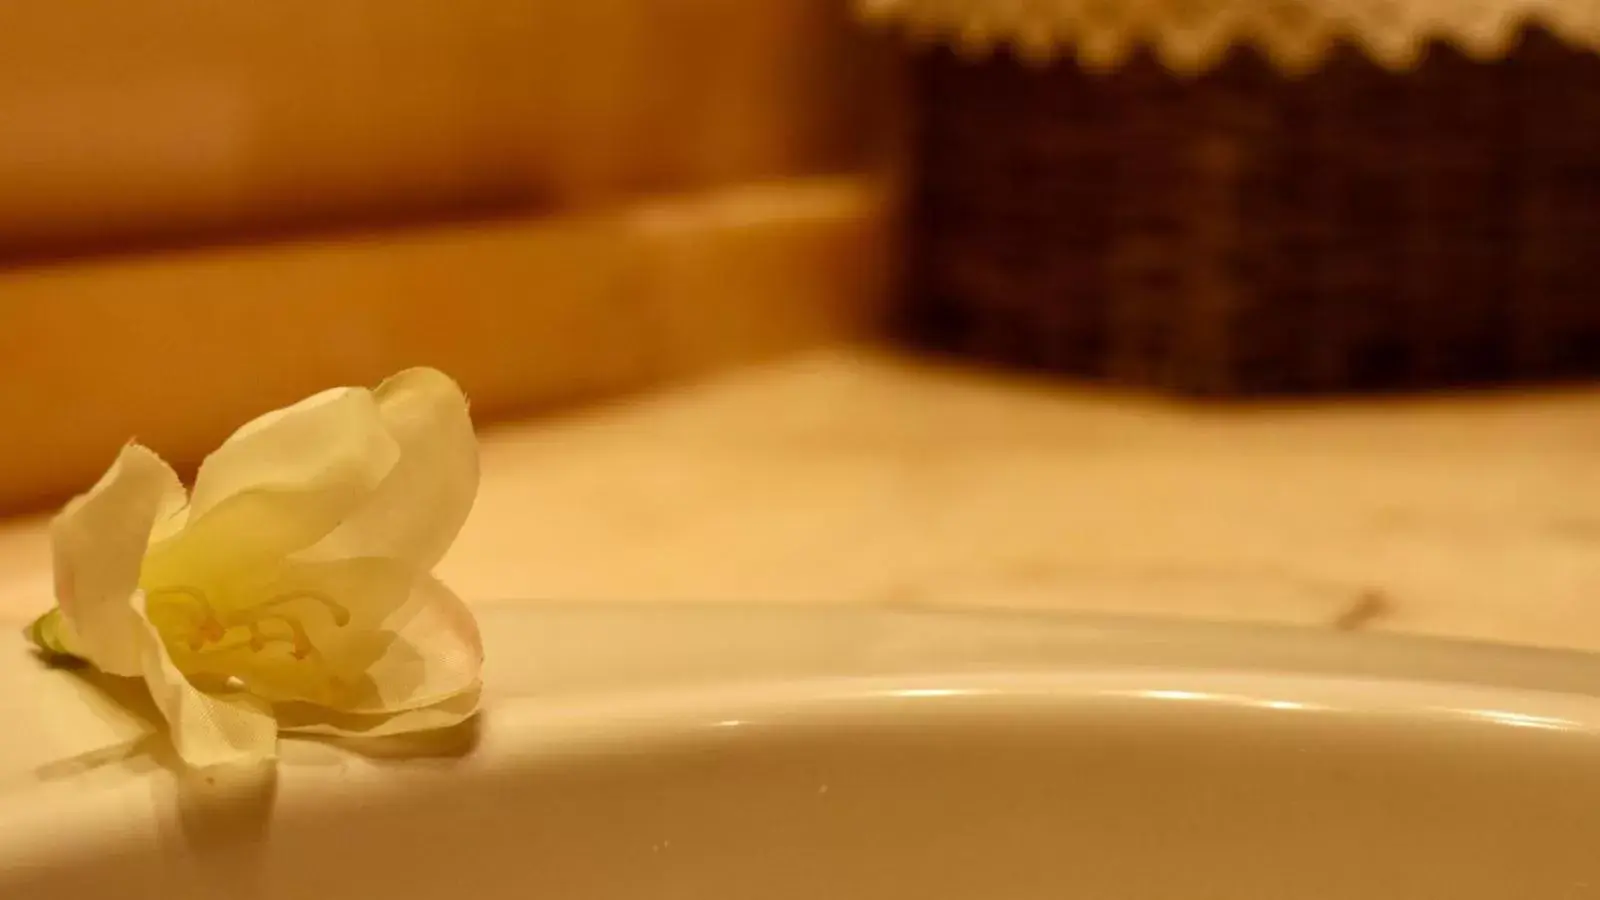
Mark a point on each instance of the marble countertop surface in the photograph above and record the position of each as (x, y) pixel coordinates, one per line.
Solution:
(853, 476)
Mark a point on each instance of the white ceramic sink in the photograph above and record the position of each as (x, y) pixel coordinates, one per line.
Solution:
(721, 753)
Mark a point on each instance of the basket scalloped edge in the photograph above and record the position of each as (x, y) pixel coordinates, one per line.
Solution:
(1190, 36)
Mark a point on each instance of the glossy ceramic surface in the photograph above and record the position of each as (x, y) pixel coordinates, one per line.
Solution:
(854, 754)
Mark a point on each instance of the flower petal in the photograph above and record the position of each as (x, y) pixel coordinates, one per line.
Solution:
(435, 652)
(98, 542)
(418, 510)
(283, 447)
(278, 485)
(207, 729)
(303, 719)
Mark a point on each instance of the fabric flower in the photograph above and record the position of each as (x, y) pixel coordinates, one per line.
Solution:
(291, 589)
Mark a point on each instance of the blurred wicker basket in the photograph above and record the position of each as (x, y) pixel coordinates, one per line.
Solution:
(1251, 219)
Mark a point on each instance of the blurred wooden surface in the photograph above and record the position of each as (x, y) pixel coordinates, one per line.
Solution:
(210, 209)
(184, 120)
(178, 349)
(852, 477)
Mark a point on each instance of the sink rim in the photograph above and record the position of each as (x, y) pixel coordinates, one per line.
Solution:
(675, 646)
(567, 675)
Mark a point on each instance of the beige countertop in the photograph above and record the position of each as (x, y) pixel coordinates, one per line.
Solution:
(856, 477)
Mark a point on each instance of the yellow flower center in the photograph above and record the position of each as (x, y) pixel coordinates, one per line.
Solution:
(275, 621)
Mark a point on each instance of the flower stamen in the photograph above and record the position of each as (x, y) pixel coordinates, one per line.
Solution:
(297, 638)
(208, 630)
(178, 594)
(340, 613)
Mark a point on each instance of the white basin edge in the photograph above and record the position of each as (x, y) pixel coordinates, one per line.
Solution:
(565, 677)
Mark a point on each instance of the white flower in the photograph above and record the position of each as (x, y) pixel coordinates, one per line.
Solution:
(291, 589)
